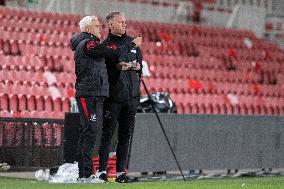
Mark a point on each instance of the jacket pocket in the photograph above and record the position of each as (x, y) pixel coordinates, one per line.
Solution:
(135, 84)
(119, 91)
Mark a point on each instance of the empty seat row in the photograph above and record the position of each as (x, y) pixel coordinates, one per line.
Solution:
(18, 103)
(208, 75)
(11, 25)
(28, 49)
(230, 109)
(37, 90)
(47, 76)
(173, 62)
(32, 114)
(39, 17)
(186, 30)
(9, 47)
(36, 38)
(36, 63)
(241, 55)
(212, 87)
(220, 99)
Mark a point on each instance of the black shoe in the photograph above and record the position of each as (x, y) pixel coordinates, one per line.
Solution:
(123, 179)
(103, 177)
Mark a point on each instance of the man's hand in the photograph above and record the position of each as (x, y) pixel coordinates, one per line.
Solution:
(135, 66)
(137, 41)
(123, 66)
(128, 66)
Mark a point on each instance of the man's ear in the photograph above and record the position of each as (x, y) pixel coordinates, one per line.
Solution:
(109, 24)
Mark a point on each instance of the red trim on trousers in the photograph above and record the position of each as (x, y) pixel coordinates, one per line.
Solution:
(84, 105)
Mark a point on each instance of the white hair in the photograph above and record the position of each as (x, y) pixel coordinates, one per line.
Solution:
(86, 21)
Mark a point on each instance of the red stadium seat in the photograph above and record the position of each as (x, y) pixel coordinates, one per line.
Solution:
(66, 104)
(48, 104)
(57, 105)
(31, 106)
(14, 103)
(23, 103)
(40, 103)
(4, 102)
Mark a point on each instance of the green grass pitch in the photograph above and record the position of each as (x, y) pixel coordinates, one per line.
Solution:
(225, 183)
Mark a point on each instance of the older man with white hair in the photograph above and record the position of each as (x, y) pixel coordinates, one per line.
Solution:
(92, 87)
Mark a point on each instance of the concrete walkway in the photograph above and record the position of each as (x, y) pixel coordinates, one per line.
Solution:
(31, 174)
(26, 175)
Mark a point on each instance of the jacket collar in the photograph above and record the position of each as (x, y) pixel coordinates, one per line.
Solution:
(95, 38)
(115, 37)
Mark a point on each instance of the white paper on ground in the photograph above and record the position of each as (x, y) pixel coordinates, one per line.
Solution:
(67, 173)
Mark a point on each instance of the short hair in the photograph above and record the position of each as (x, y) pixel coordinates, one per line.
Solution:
(86, 21)
(113, 14)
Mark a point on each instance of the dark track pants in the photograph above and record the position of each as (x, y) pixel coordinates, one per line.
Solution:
(91, 118)
(122, 114)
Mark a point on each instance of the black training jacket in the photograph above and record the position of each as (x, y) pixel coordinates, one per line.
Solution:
(123, 84)
(90, 67)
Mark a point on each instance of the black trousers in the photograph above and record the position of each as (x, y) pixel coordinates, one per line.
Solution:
(123, 115)
(91, 118)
